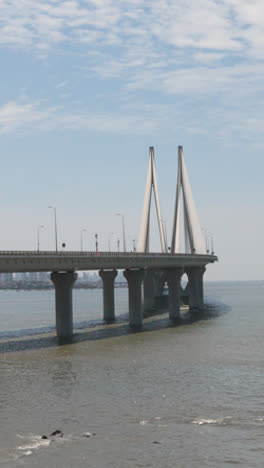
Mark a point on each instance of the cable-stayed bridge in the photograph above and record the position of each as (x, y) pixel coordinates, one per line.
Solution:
(152, 270)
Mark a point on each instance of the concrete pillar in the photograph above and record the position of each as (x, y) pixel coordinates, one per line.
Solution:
(63, 283)
(108, 278)
(195, 287)
(149, 290)
(159, 282)
(134, 279)
(160, 299)
(173, 277)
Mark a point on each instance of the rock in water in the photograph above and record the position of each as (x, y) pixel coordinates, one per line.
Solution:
(57, 433)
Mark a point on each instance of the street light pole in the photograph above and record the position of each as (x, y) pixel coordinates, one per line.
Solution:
(206, 239)
(55, 223)
(96, 242)
(109, 241)
(165, 234)
(123, 230)
(81, 235)
(212, 242)
(39, 227)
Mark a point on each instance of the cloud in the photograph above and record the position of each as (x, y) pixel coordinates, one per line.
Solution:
(14, 115)
(223, 79)
(230, 25)
(62, 84)
(24, 117)
(130, 38)
(200, 49)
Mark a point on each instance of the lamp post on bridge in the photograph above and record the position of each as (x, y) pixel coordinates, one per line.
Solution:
(55, 224)
(206, 239)
(211, 242)
(165, 234)
(81, 238)
(123, 230)
(39, 227)
(96, 242)
(109, 241)
(132, 241)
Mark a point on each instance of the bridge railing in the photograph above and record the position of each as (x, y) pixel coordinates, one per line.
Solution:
(41, 253)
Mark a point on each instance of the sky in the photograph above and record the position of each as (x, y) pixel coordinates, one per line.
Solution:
(88, 85)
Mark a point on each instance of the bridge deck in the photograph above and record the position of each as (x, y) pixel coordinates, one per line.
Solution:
(27, 261)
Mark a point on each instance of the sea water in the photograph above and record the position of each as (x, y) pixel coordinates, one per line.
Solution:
(168, 396)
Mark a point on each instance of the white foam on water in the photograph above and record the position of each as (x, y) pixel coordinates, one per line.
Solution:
(34, 443)
(143, 423)
(28, 452)
(202, 421)
(206, 421)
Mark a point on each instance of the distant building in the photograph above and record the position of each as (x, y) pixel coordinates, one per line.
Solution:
(20, 276)
(8, 277)
(43, 276)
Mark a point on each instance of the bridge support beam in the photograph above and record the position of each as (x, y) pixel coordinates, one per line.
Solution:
(63, 283)
(149, 290)
(108, 278)
(173, 277)
(134, 279)
(195, 287)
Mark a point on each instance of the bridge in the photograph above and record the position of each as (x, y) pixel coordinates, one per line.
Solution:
(152, 270)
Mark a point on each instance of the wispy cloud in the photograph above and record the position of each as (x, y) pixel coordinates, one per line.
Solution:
(23, 117)
(14, 115)
(62, 84)
(198, 49)
(232, 123)
(230, 25)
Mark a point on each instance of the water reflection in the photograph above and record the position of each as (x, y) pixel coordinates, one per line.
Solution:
(98, 330)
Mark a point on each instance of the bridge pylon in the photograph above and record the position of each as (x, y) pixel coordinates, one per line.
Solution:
(194, 242)
(143, 241)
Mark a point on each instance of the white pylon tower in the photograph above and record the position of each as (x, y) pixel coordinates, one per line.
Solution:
(194, 242)
(143, 241)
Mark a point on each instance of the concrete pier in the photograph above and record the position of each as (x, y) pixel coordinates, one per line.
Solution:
(108, 278)
(149, 291)
(63, 283)
(134, 279)
(173, 277)
(159, 282)
(195, 287)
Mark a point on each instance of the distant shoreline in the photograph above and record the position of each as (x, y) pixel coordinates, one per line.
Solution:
(46, 286)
